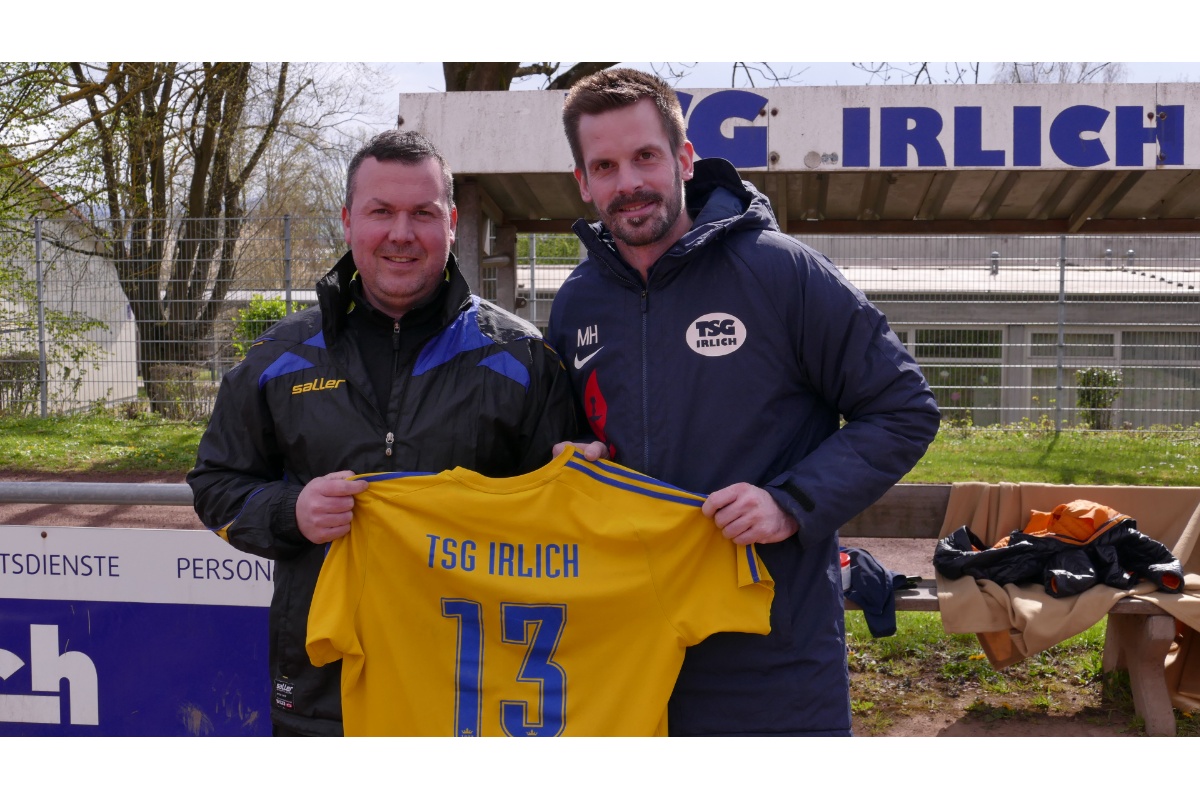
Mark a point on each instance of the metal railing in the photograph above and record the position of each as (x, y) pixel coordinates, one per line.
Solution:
(1092, 331)
(101, 494)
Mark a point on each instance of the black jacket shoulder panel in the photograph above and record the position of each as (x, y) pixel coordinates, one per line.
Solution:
(502, 327)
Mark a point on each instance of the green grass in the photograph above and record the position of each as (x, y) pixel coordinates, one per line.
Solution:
(97, 443)
(922, 668)
(1028, 452)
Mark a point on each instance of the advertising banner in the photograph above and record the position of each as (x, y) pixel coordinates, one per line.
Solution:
(121, 632)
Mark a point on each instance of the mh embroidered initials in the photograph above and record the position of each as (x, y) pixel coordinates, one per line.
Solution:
(586, 336)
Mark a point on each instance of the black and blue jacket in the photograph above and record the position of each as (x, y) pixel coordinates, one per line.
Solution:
(738, 361)
(339, 386)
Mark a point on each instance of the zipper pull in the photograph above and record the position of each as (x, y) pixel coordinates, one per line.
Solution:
(390, 439)
(396, 336)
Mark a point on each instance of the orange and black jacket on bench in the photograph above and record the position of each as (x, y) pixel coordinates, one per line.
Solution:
(1076, 546)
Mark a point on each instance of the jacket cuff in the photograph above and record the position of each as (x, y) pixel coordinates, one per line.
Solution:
(789, 499)
(283, 517)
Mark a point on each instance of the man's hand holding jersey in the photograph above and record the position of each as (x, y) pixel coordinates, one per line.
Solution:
(325, 506)
(747, 514)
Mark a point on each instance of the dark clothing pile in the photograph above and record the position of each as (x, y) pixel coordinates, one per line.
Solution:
(872, 589)
(1068, 550)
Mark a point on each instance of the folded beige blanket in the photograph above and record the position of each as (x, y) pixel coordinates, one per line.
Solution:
(1014, 622)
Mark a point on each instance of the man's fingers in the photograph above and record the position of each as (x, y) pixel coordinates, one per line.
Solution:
(324, 508)
(592, 451)
(336, 484)
(336, 506)
(717, 501)
(747, 514)
(595, 451)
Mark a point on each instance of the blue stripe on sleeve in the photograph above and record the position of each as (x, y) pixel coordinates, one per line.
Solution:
(751, 561)
(285, 364)
(461, 336)
(587, 468)
(617, 469)
(508, 366)
(223, 531)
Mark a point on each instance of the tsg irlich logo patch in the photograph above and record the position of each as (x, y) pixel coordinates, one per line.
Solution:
(716, 334)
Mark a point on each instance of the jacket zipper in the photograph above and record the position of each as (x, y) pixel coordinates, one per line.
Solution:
(645, 379)
(390, 439)
(644, 288)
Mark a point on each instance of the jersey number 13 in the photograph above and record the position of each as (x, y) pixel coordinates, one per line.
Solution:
(539, 628)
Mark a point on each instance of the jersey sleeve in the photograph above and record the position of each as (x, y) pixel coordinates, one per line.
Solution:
(332, 628)
(705, 583)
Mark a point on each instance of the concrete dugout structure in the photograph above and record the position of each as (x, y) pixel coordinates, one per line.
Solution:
(1113, 166)
(947, 159)
(925, 181)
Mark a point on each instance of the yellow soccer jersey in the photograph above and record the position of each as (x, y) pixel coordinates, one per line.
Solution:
(553, 603)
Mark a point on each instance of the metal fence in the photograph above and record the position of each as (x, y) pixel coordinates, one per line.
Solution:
(93, 314)
(1088, 331)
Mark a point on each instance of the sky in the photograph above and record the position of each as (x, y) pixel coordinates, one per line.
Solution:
(427, 76)
(412, 39)
(699, 31)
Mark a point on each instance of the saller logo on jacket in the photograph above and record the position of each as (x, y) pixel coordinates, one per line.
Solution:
(318, 385)
(716, 334)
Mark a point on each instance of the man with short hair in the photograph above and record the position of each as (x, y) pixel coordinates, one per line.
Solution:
(710, 350)
(398, 368)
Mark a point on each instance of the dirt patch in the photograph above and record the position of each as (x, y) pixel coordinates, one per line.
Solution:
(945, 711)
(906, 556)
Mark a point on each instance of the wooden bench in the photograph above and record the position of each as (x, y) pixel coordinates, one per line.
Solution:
(1143, 630)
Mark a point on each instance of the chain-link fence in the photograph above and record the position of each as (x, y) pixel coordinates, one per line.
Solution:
(1093, 331)
(142, 315)
(1089, 331)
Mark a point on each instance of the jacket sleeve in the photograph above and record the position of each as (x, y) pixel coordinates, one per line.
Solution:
(239, 487)
(550, 417)
(856, 364)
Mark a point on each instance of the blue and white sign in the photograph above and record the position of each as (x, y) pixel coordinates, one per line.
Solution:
(804, 128)
(940, 127)
(119, 632)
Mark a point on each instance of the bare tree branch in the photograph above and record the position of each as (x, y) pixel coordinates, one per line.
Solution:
(577, 72)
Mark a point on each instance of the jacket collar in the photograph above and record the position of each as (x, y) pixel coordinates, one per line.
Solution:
(336, 295)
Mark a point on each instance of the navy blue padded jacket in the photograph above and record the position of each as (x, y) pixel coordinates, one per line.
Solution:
(736, 362)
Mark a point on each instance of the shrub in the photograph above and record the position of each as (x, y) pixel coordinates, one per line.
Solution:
(181, 391)
(1099, 389)
(252, 321)
(18, 382)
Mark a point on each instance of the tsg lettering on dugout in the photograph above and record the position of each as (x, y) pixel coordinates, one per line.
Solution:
(733, 124)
